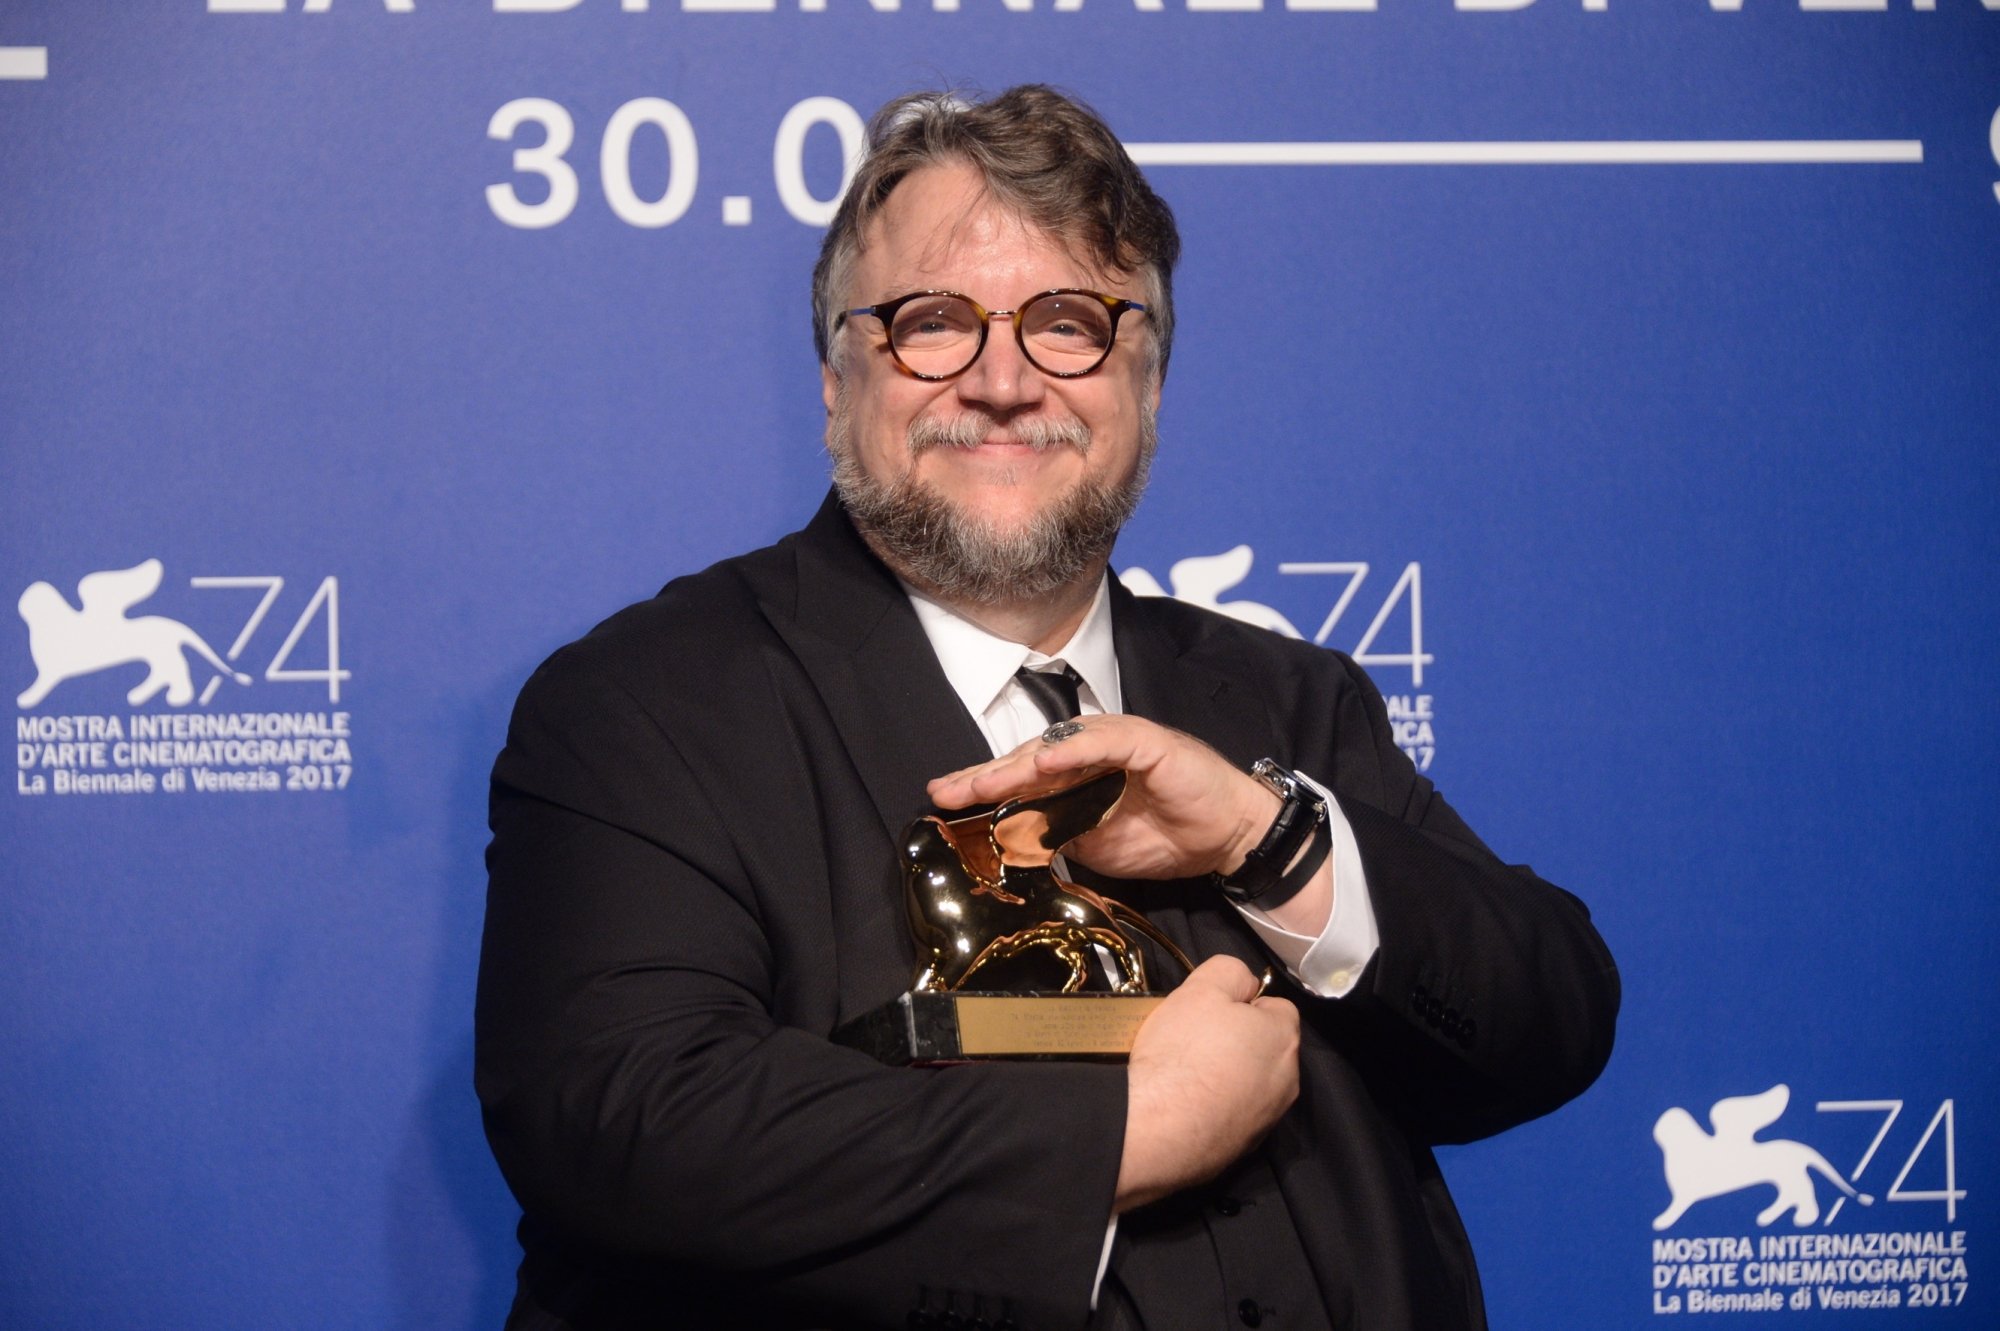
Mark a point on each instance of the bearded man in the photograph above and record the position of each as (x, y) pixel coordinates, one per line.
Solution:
(694, 878)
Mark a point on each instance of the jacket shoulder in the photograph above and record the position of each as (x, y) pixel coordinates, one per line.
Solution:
(1248, 651)
(696, 628)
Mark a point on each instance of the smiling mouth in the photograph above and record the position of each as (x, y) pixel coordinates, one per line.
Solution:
(1015, 445)
(972, 432)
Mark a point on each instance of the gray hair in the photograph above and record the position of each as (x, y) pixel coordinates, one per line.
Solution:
(1046, 156)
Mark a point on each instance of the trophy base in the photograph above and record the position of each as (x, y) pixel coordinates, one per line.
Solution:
(941, 1026)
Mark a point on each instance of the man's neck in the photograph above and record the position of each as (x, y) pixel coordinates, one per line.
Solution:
(1045, 623)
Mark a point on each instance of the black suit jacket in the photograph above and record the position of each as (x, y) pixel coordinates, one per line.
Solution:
(693, 881)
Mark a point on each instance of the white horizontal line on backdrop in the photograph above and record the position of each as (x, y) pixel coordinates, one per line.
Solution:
(24, 62)
(1599, 152)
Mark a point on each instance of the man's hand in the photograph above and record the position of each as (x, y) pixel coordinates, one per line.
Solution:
(1211, 1070)
(1186, 810)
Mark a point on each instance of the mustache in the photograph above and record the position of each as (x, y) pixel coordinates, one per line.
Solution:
(969, 429)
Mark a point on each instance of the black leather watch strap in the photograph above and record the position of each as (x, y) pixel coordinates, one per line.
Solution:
(1291, 852)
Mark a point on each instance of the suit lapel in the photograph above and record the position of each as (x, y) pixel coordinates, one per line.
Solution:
(899, 723)
(1164, 680)
(897, 714)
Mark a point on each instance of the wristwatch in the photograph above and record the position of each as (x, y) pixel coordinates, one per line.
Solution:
(1273, 872)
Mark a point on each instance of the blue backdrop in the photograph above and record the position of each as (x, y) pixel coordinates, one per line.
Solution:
(1624, 375)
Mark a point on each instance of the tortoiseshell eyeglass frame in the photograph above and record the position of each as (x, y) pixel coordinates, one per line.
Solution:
(886, 312)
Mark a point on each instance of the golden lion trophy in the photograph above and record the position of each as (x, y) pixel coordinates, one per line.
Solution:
(1014, 960)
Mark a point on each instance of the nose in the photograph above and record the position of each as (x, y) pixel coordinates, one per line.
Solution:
(1001, 380)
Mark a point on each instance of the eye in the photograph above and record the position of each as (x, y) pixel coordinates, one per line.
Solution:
(932, 320)
(1068, 325)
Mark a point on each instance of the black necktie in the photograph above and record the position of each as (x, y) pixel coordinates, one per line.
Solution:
(1054, 691)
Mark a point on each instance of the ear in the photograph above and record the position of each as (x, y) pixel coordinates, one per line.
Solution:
(829, 385)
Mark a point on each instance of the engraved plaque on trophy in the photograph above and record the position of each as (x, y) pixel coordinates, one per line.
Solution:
(1015, 960)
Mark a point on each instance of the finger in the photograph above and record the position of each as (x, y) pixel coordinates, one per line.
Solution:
(1077, 748)
(1018, 753)
(957, 789)
(1111, 742)
(1107, 741)
(1014, 774)
(989, 785)
(1226, 975)
(1272, 1003)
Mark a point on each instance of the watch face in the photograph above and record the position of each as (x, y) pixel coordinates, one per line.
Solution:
(1281, 781)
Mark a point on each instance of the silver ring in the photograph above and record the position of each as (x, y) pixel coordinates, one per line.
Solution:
(1061, 731)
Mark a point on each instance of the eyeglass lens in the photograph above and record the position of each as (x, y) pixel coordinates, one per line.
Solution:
(1061, 333)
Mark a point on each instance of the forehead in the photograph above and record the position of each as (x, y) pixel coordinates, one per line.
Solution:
(942, 228)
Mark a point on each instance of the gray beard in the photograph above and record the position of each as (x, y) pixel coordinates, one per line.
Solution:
(933, 544)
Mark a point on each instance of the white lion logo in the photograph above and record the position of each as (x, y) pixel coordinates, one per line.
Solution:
(1202, 579)
(67, 642)
(1700, 1165)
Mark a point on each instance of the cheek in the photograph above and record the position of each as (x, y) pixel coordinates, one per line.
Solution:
(1114, 429)
(879, 426)
(895, 404)
(1112, 399)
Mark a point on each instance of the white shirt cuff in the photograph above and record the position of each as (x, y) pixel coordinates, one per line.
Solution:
(1331, 964)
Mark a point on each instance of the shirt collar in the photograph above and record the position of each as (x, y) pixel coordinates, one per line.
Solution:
(980, 664)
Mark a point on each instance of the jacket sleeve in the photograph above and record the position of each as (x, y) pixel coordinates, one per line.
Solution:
(644, 1103)
(1492, 999)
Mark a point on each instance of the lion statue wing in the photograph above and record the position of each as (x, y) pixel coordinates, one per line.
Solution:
(1741, 1117)
(114, 591)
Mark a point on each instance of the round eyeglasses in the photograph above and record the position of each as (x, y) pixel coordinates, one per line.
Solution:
(935, 335)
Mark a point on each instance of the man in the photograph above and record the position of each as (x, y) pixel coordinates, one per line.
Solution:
(693, 871)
